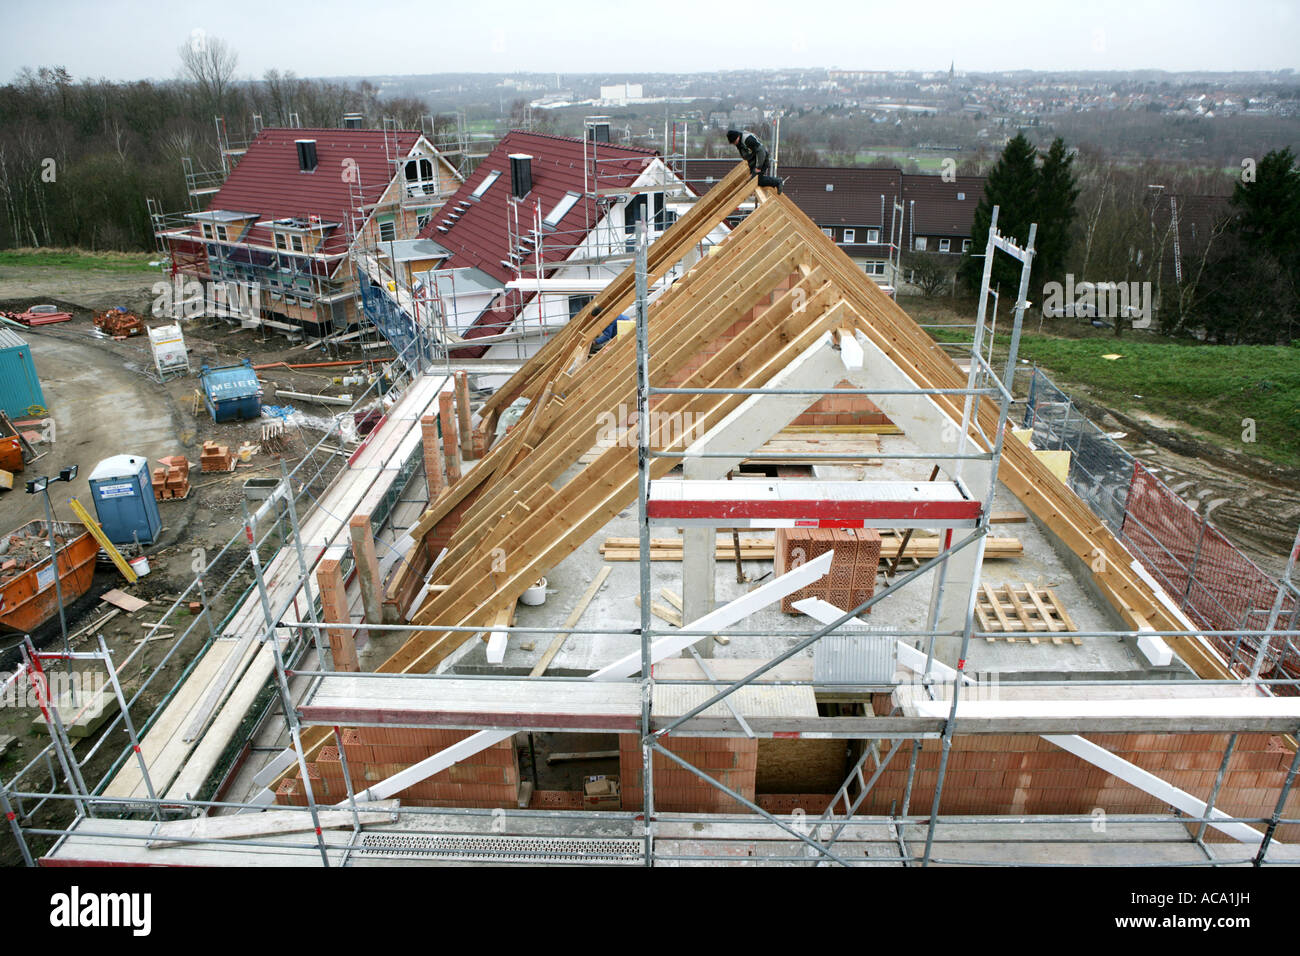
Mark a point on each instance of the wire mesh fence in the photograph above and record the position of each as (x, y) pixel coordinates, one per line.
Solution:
(1210, 579)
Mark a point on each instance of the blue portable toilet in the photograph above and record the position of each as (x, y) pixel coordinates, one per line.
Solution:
(122, 492)
(232, 392)
(20, 388)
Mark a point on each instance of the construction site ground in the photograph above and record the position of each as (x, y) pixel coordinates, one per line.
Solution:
(105, 399)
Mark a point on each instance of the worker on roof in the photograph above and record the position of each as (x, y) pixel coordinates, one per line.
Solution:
(754, 152)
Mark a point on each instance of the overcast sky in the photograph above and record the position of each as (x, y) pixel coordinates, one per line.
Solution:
(134, 40)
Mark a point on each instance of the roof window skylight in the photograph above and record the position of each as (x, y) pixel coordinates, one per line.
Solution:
(561, 209)
(485, 184)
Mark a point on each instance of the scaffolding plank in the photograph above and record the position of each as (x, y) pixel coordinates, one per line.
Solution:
(180, 767)
(234, 827)
(577, 704)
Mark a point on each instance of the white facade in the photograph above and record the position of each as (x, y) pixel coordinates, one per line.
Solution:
(546, 314)
(620, 94)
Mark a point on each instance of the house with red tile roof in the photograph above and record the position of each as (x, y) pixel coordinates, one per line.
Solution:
(940, 212)
(856, 208)
(540, 226)
(283, 225)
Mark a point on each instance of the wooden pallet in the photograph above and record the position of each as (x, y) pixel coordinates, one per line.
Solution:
(1024, 610)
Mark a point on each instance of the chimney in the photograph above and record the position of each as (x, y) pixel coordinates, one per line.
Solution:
(521, 174)
(306, 155)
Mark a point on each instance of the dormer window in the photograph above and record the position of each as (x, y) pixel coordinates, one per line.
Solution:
(207, 231)
(419, 170)
(420, 177)
(297, 243)
(279, 241)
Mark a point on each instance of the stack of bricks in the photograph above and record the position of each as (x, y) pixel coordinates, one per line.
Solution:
(431, 443)
(729, 760)
(852, 578)
(487, 779)
(172, 480)
(216, 457)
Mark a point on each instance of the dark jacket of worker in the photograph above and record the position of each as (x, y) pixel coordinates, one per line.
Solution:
(751, 150)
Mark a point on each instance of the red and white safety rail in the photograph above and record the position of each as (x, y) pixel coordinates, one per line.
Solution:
(771, 503)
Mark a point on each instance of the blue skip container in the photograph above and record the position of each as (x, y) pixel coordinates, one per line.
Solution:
(232, 392)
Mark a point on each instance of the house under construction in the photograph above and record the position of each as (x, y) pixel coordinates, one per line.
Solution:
(280, 223)
(907, 643)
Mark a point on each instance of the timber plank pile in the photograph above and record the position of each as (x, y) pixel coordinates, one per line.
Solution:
(762, 548)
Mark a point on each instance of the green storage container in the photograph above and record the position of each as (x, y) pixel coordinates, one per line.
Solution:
(20, 387)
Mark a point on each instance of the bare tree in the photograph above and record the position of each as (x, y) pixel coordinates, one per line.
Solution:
(209, 63)
(275, 98)
(930, 273)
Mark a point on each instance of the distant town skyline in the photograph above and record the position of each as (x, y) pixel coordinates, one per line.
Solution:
(139, 40)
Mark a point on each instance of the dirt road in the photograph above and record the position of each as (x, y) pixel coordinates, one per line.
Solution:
(92, 289)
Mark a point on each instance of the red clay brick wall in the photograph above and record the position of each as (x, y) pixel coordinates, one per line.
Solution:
(987, 774)
(729, 760)
(488, 779)
(853, 571)
(995, 774)
(843, 410)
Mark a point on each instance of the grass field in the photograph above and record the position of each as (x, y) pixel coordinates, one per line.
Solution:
(1213, 388)
(77, 259)
(926, 161)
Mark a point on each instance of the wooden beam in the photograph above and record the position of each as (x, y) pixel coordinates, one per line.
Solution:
(575, 615)
(463, 415)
